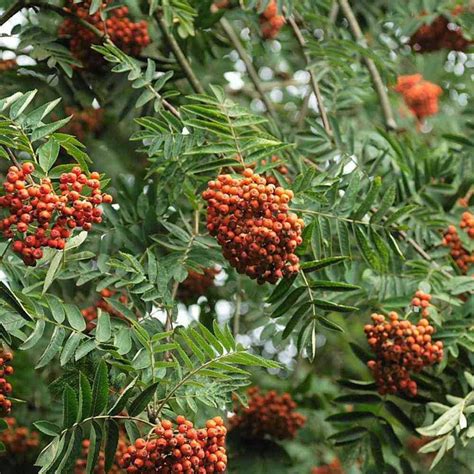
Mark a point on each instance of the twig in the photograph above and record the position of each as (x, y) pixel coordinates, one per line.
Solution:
(13, 10)
(15, 162)
(314, 82)
(334, 12)
(373, 71)
(236, 43)
(179, 55)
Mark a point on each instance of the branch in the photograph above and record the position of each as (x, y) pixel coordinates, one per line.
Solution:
(179, 55)
(373, 71)
(234, 39)
(13, 10)
(314, 82)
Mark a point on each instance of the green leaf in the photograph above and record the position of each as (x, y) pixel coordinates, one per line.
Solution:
(387, 201)
(53, 347)
(349, 435)
(332, 286)
(289, 301)
(19, 106)
(281, 289)
(94, 447)
(48, 129)
(369, 200)
(100, 390)
(75, 317)
(70, 407)
(10, 298)
(398, 413)
(121, 401)
(139, 404)
(358, 398)
(350, 417)
(70, 348)
(111, 442)
(363, 355)
(103, 331)
(85, 398)
(48, 153)
(308, 267)
(377, 452)
(330, 306)
(52, 270)
(48, 428)
(35, 336)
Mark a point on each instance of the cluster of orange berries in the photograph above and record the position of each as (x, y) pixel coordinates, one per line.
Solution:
(81, 462)
(7, 64)
(401, 347)
(420, 96)
(182, 448)
(19, 439)
(5, 387)
(196, 284)
(84, 122)
(252, 224)
(270, 21)
(421, 301)
(451, 239)
(440, 34)
(334, 467)
(267, 415)
(130, 37)
(90, 313)
(40, 217)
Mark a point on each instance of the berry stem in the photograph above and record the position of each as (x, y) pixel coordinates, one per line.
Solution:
(314, 82)
(179, 55)
(236, 43)
(390, 122)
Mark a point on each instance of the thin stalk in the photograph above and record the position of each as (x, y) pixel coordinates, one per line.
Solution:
(253, 75)
(379, 85)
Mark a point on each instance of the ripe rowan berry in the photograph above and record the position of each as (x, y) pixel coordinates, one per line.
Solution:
(19, 440)
(270, 21)
(130, 37)
(256, 232)
(174, 449)
(441, 33)
(90, 313)
(451, 239)
(196, 284)
(400, 349)
(5, 387)
(7, 64)
(334, 467)
(267, 414)
(420, 96)
(42, 214)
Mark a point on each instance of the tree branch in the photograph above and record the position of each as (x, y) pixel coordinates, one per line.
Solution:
(12, 11)
(314, 82)
(373, 71)
(179, 55)
(236, 43)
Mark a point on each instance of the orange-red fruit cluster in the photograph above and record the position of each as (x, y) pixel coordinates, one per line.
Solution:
(270, 21)
(81, 462)
(84, 122)
(5, 387)
(421, 301)
(90, 313)
(18, 439)
(334, 467)
(252, 224)
(130, 37)
(179, 448)
(197, 284)
(267, 414)
(401, 347)
(420, 96)
(440, 34)
(461, 256)
(39, 217)
(467, 223)
(282, 169)
(7, 64)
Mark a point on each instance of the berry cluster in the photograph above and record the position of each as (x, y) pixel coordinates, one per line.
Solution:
(401, 347)
(40, 217)
(81, 462)
(282, 169)
(421, 300)
(19, 439)
(179, 449)
(130, 37)
(440, 34)
(7, 64)
(420, 96)
(267, 415)
(90, 313)
(461, 256)
(467, 223)
(252, 224)
(196, 284)
(334, 467)
(84, 122)
(270, 21)
(5, 387)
